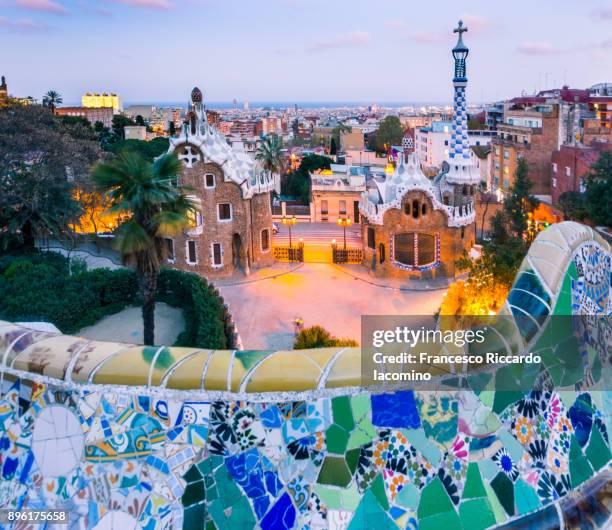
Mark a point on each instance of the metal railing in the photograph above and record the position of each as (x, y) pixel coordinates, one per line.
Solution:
(294, 253)
(346, 255)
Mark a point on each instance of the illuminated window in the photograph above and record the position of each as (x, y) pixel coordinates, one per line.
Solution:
(414, 249)
(324, 207)
(342, 207)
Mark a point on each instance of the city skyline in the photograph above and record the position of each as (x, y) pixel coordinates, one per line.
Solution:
(256, 52)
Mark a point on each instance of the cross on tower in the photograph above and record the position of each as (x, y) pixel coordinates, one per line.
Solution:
(460, 28)
(188, 157)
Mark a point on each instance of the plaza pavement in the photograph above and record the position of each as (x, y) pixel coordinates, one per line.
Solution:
(265, 304)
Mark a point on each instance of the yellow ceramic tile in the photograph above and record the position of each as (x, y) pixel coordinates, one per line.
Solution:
(282, 371)
(128, 367)
(320, 356)
(346, 371)
(188, 374)
(92, 355)
(216, 373)
(25, 342)
(50, 356)
(166, 360)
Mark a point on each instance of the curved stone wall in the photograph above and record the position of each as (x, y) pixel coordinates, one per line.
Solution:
(125, 436)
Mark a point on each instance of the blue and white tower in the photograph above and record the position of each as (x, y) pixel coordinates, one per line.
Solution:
(460, 145)
(463, 169)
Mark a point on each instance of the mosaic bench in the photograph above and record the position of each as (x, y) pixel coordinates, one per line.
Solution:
(125, 436)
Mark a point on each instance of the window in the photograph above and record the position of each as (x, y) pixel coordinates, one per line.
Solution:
(445, 142)
(414, 249)
(371, 238)
(342, 207)
(324, 208)
(209, 180)
(265, 239)
(415, 209)
(554, 167)
(225, 211)
(424, 209)
(506, 154)
(554, 182)
(170, 250)
(217, 255)
(381, 253)
(192, 256)
(568, 171)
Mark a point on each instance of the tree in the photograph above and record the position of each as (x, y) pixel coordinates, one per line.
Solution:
(147, 149)
(140, 121)
(43, 159)
(598, 195)
(520, 203)
(144, 191)
(573, 205)
(119, 122)
(52, 99)
(390, 132)
(297, 183)
(270, 154)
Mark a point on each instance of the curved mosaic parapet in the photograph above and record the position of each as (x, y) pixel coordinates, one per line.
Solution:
(123, 436)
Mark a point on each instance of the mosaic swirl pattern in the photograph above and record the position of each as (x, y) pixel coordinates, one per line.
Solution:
(178, 438)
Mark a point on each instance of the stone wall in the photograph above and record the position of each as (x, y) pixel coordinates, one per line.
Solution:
(240, 238)
(452, 241)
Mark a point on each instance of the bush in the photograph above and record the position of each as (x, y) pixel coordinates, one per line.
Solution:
(39, 287)
(205, 316)
(319, 337)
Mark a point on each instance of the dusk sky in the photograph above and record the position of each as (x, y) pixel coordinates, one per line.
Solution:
(300, 50)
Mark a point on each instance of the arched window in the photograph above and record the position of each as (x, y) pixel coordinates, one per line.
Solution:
(445, 199)
(462, 232)
(407, 208)
(413, 249)
(465, 190)
(415, 209)
(424, 209)
(381, 252)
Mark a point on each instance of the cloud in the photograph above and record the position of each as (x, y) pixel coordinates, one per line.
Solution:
(604, 13)
(476, 24)
(149, 4)
(398, 25)
(24, 25)
(539, 48)
(95, 10)
(348, 40)
(42, 5)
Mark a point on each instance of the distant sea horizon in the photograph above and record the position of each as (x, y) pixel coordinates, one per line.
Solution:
(279, 105)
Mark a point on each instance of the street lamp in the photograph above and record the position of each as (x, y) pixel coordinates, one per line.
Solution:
(344, 222)
(289, 221)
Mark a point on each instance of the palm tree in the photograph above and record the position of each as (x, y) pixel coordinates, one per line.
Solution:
(270, 156)
(156, 207)
(52, 99)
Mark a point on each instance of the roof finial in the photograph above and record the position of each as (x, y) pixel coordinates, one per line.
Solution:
(460, 28)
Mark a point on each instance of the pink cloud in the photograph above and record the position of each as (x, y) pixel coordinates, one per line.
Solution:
(477, 24)
(24, 25)
(42, 5)
(398, 25)
(605, 13)
(538, 48)
(151, 4)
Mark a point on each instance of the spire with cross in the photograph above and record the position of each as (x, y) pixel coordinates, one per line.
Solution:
(459, 139)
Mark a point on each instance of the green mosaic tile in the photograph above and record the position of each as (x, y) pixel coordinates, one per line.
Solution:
(597, 451)
(474, 487)
(498, 509)
(361, 406)
(193, 494)
(343, 414)
(421, 443)
(511, 444)
(579, 466)
(504, 489)
(334, 472)
(336, 439)
(378, 489)
(408, 497)
(350, 497)
(331, 497)
(363, 433)
(503, 398)
(488, 468)
(370, 514)
(229, 493)
(476, 514)
(447, 521)
(434, 500)
(526, 498)
(240, 516)
(194, 517)
(352, 459)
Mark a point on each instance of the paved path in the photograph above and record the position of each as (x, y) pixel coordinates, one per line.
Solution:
(126, 326)
(264, 306)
